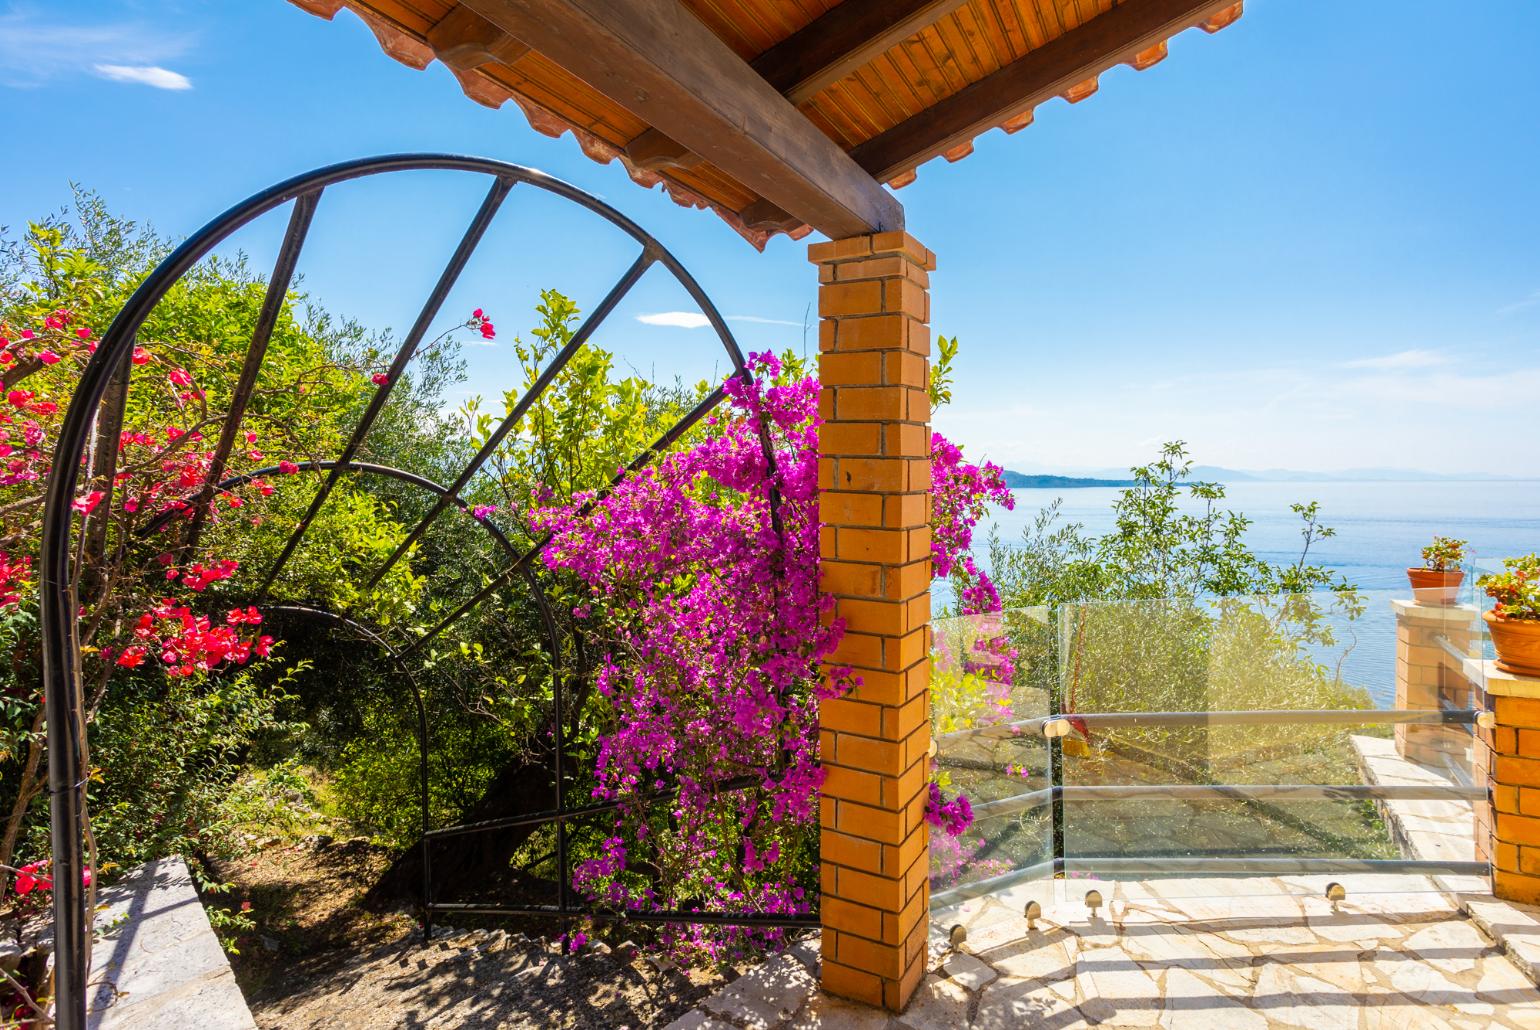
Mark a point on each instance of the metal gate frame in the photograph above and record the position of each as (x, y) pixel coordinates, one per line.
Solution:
(110, 367)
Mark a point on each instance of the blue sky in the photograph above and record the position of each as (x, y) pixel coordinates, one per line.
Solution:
(1309, 241)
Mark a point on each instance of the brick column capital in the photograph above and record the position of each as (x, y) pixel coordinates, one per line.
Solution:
(874, 481)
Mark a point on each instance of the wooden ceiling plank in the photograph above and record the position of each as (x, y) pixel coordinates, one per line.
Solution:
(847, 37)
(1050, 70)
(653, 58)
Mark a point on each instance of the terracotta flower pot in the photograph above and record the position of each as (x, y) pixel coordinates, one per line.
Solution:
(1431, 586)
(1517, 642)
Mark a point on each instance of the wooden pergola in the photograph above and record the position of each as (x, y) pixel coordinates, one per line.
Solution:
(797, 116)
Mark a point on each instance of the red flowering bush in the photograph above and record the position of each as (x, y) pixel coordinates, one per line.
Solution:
(168, 638)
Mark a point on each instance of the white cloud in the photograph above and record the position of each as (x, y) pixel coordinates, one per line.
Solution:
(757, 320)
(1519, 305)
(147, 75)
(696, 320)
(675, 319)
(38, 47)
(1401, 360)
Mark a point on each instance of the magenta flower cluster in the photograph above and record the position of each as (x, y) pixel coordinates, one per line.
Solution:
(961, 494)
(703, 602)
(703, 574)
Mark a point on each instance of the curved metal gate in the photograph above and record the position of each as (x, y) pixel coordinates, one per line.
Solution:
(111, 366)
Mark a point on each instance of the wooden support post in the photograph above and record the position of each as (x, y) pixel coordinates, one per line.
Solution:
(874, 474)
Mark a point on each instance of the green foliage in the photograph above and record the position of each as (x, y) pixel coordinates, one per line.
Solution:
(167, 754)
(1159, 548)
(941, 371)
(1172, 611)
(1516, 589)
(376, 779)
(584, 427)
(1443, 554)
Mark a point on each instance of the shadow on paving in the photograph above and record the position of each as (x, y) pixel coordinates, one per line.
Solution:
(484, 979)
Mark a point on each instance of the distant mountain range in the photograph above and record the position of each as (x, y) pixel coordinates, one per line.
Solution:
(1217, 474)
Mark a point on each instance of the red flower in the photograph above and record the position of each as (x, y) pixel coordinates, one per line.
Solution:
(87, 504)
(487, 331)
(288, 468)
(379, 379)
(141, 356)
(48, 357)
(132, 657)
(180, 377)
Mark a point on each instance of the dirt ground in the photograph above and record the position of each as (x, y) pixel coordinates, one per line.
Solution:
(317, 959)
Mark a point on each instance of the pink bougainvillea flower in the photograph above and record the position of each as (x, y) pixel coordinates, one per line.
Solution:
(180, 377)
(379, 379)
(27, 334)
(87, 504)
(83, 333)
(19, 398)
(487, 332)
(32, 877)
(481, 511)
(288, 468)
(48, 357)
(132, 657)
(478, 315)
(141, 356)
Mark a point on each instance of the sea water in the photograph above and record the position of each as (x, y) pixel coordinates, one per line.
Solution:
(1381, 528)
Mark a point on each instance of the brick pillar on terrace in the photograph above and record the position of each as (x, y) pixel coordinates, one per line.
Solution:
(1508, 761)
(1429, 677)
(874, 474)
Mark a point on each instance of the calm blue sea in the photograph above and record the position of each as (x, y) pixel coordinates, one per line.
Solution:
(1381, 528)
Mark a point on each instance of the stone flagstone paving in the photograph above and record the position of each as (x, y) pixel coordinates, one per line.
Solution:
(1232, 954)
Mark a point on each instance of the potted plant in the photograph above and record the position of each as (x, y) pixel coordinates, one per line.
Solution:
(1439, 579)
(1514, 620)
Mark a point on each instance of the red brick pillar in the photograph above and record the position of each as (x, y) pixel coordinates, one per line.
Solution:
(1428, 677)
(1508, 760)
(874, 474)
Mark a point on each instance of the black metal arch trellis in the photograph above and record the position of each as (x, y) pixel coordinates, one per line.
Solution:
(104, 380)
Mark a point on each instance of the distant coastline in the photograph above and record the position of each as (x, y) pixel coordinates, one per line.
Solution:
(1214, 474)
(1022, 481)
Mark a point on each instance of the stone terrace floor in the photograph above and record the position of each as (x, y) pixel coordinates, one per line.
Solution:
(1400, 953)
(1233, 954)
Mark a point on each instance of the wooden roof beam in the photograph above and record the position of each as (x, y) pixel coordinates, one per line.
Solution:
(1050, 70)
(846, 37)
(465, 41)
(654, 58)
